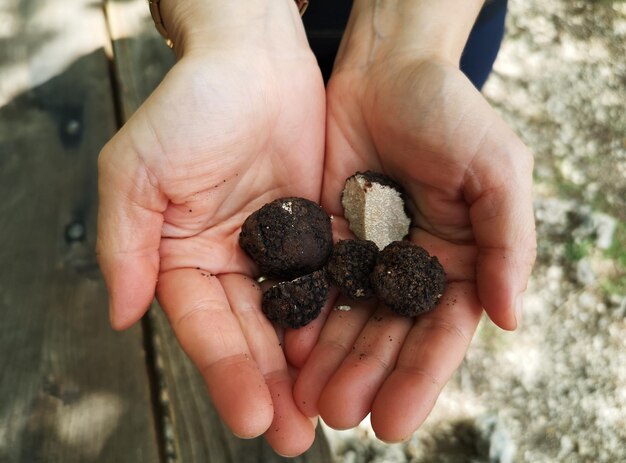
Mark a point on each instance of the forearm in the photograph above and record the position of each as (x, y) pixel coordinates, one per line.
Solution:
(423, 28)
(270, 24)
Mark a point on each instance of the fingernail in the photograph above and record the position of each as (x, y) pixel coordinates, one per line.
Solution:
(519, 308)
(396, 441)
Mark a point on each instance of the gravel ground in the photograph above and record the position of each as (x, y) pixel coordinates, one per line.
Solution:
(555, 390)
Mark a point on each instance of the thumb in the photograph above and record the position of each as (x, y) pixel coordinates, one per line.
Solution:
(498, 187)
(130, 217)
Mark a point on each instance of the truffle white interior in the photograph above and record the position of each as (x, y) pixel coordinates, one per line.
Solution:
(375, 212)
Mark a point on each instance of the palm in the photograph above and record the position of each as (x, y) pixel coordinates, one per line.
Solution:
(243, 142)
(221, 136)
(424, 125)
(415, 126)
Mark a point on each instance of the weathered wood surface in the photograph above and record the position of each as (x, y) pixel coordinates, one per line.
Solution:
(71, 389)
(193, 429)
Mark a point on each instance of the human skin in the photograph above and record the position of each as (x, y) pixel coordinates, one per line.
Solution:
(397, 103)
(237, 122)
(248, 92)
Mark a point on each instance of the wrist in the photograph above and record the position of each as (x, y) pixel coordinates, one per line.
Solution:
(417, 29)
(198, 24)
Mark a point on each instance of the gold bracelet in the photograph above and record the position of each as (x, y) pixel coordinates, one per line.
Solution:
(302, 4)
(155, 11)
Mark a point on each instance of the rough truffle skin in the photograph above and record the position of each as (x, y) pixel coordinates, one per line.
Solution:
(350, 265)
(408, 279)
(376, 177)
(295, 303)
(287, 238)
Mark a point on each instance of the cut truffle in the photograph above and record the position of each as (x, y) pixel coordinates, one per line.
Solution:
(350, 265)
(373, 204)
(295, 303)
(288, 237)
(408, 279)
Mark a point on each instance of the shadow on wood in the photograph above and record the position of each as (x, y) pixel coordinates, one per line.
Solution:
(72, 389)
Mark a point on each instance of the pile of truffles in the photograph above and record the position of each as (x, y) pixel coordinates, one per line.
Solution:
(290, 239)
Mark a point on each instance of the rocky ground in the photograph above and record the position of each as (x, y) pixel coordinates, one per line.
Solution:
(555, 390)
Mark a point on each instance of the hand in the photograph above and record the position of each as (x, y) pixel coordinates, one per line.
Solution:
(231, 127)
(420, 121)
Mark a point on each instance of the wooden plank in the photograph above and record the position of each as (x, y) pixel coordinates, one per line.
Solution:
(71, 389)
(195, 432)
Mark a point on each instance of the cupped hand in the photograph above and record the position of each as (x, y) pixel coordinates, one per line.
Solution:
(228, 130)
(469, 181)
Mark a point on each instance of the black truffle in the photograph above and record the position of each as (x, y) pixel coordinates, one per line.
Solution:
(295, 303)
(350, 265)
(374, 206)
(288, 237)
(408, 279)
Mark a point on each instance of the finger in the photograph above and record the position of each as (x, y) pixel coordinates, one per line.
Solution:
(290, 433)
(198, 310)
(348, 396)
(499, 191)
(431, 353)
(129, 232)
(341, 328)
(335, 342)
(299, 343)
